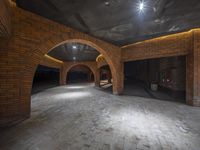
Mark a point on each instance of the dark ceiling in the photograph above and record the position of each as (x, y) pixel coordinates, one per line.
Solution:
(74, 52)
(120, 21)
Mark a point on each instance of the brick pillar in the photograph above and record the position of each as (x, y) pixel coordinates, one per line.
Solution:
(62, 76)
(97, 78)
(193, 71)
(118, 79)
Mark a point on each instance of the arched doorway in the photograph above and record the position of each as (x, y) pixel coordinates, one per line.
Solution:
(79, 74)
(37, 55)
(45, 35)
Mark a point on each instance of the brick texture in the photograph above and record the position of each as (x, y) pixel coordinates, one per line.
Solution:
(5, 20)
(181, 44)
(47, 61)
(193, 71)
(68, 65)
(33, 37)
(167, 46)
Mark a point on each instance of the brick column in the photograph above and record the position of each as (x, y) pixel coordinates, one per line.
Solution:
(193, 71)
(62, 76)
(97, 77)
(118, 79)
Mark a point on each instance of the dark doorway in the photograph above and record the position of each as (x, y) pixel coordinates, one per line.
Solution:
(45, 77)
(163, 78)
(106, 78)
(80, 74)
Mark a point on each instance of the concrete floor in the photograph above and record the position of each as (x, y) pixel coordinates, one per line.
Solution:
(81, 117)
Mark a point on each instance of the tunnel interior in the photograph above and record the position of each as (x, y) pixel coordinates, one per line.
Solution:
(162, 78)
(80, 74)
(44, 78)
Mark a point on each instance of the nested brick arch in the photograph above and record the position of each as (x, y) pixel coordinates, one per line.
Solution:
(33, 37)
(67, 66)
(34, 58)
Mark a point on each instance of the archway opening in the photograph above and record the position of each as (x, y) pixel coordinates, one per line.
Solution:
(160, 78)
(80, 74)
(27, 75)
(44, 78)
(106, 80)
(79, 49)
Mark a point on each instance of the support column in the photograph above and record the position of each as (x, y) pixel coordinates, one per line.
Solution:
(97, 77)
(193, 71)
(118, 79)
(62, 76)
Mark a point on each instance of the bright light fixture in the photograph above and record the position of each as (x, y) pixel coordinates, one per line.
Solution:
(107, 3)
(74, 58)
(74, 47)
(141, 6)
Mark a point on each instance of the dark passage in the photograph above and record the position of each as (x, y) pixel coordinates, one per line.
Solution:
(163, 78)
(80, 74)
(45, 77)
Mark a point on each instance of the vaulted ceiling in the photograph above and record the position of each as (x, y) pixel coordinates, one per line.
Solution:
(120, 21)
(74, 52)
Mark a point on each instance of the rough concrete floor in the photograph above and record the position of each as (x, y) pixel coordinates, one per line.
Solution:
(81, 117)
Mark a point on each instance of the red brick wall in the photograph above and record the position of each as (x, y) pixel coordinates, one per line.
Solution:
(68, 65)
(101, 63)
(32, 37)
(172, 45)
(5, 19)
(186, 43)
(47, 61)
(193, 71)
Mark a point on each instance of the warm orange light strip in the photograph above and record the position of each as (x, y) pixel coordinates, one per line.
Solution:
(12, 2)
(161, 37)
(100, 58)
(54, 59)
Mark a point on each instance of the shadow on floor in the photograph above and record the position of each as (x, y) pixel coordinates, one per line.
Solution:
(41, 86)
(140, 89)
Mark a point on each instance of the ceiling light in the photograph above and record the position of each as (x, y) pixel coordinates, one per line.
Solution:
(141, 6)
(107, 3)
(74, 47)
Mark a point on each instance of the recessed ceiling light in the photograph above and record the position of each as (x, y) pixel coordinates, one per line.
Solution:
(74, 47)
(107, 3)
(141, 6)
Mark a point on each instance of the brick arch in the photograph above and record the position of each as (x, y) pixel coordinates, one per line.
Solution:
(33, 37)
(107, 50)
(69, 65)
(34, 58)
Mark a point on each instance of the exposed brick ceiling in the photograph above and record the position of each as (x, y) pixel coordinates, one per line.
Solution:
(119, 21)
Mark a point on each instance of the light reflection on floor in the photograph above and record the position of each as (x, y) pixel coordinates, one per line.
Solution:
(79, 117)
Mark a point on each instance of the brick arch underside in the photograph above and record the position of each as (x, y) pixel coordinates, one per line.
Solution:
(47, 35)
(85, 65)
(34, 59)
(92, 66)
